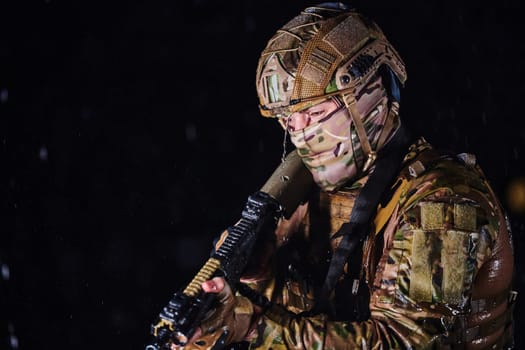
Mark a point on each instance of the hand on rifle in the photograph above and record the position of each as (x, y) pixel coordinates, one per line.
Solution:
(230, 321)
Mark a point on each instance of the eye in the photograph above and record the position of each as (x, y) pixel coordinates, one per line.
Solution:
(316, 113)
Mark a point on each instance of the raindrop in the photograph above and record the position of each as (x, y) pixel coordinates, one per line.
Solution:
(4, 96)
(5, 272)
(484, 118)
(13, 341)
(191, 132)
(42, 153)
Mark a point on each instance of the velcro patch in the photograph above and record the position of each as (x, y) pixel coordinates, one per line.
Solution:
(347, 35)
(432, 215)
(453, 260)
(312, 74)
(465, 217)
(421, 274)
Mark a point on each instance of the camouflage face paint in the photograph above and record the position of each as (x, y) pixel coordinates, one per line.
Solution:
(326, 149)
(330, 148)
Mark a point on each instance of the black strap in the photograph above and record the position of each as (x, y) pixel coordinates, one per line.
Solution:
(388, 164)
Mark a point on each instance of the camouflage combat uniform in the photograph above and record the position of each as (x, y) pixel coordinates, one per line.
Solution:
(436, 271)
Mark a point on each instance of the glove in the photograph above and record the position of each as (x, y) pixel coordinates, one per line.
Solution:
(228, 323)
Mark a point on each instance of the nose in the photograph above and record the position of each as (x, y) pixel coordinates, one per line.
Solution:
(298, 121)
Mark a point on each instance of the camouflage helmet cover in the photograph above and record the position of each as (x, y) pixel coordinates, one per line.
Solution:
(326, 50)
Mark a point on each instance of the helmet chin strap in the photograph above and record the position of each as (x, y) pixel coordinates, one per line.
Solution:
(350, 103)
(391, 122)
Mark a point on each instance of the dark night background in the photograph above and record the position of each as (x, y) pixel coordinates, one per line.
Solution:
(130, 136)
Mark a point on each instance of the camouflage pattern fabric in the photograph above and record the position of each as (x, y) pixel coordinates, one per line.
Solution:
(331, 148)
(438, 231)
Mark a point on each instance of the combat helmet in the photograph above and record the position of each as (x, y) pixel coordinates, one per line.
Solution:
(327, 50)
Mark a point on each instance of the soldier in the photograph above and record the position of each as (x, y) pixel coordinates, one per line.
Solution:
(401, 245)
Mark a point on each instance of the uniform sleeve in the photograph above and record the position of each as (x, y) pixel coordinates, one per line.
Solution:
(434, 245)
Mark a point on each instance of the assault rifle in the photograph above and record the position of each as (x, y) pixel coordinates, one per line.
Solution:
(280, 196)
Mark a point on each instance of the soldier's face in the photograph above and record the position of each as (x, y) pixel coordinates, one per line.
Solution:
(300, 120)
(326, 139)
(322, 136)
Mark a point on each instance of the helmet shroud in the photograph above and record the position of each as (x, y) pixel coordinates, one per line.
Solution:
(326, 50)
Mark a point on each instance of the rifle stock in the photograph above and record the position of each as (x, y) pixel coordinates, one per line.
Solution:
(279, 196)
